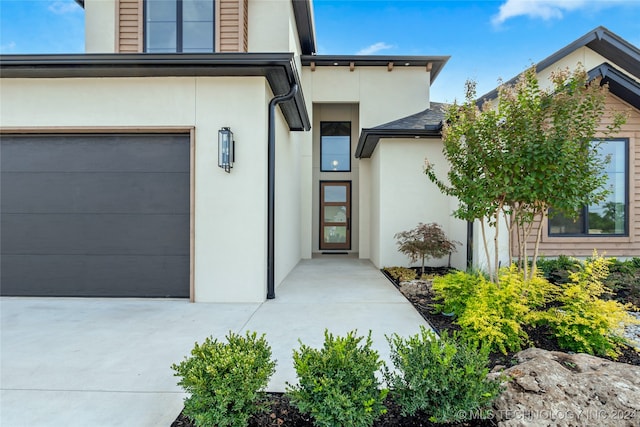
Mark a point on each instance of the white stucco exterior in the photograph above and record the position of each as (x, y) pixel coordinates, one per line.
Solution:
(100, 26)
(404, 196)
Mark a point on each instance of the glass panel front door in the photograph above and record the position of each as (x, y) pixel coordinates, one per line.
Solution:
(335, 215)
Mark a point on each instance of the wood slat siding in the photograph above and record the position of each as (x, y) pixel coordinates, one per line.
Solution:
(627, 246)
(231, 18)
(231, 25)
(129, 25)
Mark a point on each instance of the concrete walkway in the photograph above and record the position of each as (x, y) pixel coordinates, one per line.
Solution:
(106, 362)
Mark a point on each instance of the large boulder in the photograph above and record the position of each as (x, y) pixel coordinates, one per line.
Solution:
(559, 389)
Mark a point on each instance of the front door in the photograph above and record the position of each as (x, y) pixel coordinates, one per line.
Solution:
(335, 215)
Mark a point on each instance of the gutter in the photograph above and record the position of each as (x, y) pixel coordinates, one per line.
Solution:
(271, 190)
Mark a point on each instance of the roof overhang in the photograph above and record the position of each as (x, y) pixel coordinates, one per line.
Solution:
(303, 13)
(602, 41)
(369, 138)
(278, 69)
(80, 2)
(432, 64)
(621, 85)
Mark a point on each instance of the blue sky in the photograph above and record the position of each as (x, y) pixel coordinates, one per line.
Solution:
(487, 40)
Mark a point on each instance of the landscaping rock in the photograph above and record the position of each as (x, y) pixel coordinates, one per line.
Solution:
(560, 389)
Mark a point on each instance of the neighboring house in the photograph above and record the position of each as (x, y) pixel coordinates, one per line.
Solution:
(110, 177)
(613, 226)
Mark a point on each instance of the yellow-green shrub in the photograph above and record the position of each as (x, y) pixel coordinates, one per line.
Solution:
(456, 290)
(583, 322)
(495, 315)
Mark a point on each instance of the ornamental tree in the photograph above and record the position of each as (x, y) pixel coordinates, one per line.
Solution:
(424, 242)
(530, 150)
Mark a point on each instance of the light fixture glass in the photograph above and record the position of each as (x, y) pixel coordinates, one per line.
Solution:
(226, 149)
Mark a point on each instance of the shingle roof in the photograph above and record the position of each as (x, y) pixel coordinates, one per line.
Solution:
(425, 124)
(423, 120)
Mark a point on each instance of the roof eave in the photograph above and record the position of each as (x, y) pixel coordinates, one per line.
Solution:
(369, 138)
(303, 13)
(279, 69)
(601, 41)
(620, 84)
(433, 64)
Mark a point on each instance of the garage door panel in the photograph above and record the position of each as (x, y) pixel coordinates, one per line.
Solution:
(95, 153)
(95, 215)
(128, 192)
(107, 276)
(95, 234)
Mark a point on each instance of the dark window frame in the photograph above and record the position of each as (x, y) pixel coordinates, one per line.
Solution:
(350, 142)
(321, 244)
(585, 209)
(179, 26)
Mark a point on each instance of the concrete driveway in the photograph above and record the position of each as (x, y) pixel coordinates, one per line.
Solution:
(106, 362)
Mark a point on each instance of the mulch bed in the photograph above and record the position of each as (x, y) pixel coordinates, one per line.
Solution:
(282, 413)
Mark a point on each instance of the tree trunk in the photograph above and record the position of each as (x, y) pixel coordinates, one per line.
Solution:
(537, 245)
(486, 246)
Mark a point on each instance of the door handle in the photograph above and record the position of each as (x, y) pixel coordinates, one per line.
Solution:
(348, 223)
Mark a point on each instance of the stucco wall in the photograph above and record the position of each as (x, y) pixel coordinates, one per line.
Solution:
(382, 95)
(407, 197)
(100, 26)
(229, 209)
(272, 26)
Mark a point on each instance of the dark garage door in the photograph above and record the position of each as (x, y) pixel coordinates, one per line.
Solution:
(94, 215)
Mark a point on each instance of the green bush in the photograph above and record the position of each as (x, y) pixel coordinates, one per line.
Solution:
(557, 270)
(582, 321)
(455, 290)
(401, 274)
(444, 378)
(624, 280)
(225, 380)
(337, 384)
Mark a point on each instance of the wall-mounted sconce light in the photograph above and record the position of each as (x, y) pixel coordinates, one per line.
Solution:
(226, 149)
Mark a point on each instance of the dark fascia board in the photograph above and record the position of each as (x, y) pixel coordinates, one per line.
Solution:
(80, 2)
(620, 84)
(437, 62)
(303, 13)
(600, 40)
(278, 68)
(369, 138)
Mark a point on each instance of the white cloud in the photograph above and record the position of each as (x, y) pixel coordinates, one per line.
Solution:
(545, 9)
(8, 47)
(374, 48)
(62, 7)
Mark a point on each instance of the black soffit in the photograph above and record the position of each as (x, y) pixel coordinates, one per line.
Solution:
(278, 68)
(621, 85)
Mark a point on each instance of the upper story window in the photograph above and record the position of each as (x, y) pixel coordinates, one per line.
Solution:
(610, 217)
(179, 26)
(335, 146)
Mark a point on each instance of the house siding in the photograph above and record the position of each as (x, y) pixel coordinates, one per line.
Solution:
(232, 25)
(129, 26)
(626, 246)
